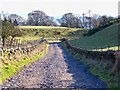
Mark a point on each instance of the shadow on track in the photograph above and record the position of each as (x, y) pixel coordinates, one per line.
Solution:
(80, 73)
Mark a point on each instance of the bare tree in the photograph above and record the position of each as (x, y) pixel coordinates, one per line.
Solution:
(39, 18)
(70, 20)
(18, 20)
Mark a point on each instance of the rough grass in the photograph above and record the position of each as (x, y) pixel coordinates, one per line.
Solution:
(49, 32)
(28, 38)
(101, 39)
(10, 70)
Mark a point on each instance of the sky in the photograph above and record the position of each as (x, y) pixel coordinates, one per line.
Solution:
(57, 8)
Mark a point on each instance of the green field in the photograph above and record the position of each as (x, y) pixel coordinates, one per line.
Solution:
(102, 39)
(36, 32)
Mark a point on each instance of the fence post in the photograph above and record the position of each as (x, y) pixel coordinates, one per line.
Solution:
(96, 48)
(108, 47)
(15, 43)
(118, 47)
(101, 49)
(18, 42)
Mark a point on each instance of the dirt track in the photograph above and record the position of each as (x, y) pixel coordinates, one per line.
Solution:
(56, 70)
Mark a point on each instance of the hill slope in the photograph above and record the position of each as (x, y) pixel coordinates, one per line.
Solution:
(108, 36)
(52, 32)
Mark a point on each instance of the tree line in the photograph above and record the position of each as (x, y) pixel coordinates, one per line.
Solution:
(40, 18)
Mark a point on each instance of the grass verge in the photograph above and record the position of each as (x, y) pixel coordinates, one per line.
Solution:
(10, 70)
(98, 68)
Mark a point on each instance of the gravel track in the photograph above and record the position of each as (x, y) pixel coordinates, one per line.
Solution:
(56, 70)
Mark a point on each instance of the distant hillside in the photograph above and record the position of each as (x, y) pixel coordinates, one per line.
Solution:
(103, 38)
(52, 32)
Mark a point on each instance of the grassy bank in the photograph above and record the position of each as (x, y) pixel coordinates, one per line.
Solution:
(102, 39)
(10, 70)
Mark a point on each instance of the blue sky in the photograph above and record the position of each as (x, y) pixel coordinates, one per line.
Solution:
(57, 8)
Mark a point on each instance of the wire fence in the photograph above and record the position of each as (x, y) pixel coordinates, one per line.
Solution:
(95, 48)
(102, 48)
(20, 49)
(114, 47)
(18, 43)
